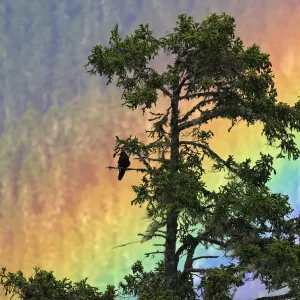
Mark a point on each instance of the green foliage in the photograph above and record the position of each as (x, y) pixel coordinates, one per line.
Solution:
(153, 285)
(44, 286)
(218, 281)
(244, 218)
(129, 55)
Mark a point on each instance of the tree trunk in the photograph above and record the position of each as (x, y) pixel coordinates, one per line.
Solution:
(171, 231)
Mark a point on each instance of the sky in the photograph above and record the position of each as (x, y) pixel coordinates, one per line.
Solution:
(104, 218)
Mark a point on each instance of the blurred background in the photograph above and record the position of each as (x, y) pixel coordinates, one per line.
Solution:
(60, 208)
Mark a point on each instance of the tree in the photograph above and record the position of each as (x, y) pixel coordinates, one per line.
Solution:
(44, 286)
(244, 219)
(225, 80)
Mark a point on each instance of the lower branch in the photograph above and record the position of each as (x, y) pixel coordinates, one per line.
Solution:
(153, 253)
(200, 238)
(150, 236)
(205, 257)
(127, 169)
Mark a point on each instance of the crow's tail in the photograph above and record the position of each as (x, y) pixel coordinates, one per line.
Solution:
(121, 174)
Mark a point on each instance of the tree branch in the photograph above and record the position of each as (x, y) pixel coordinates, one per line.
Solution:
(197, 95)
(152, 235)
(205, 257)
(286, 296)
(181, 84)
(165, 91)
(193, 270)
(212, 153)
(127, 169)
(150, 159)
(124, 245)
(196, 107)
(200, 238)
(153, 253)
(207, 115)
(148, 166)
(162, 88)
(189, 259)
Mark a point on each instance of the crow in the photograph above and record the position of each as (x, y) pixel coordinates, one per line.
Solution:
(123, 163)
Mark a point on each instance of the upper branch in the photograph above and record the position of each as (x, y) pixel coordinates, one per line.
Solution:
(181, 84)
(165, 91)
(196, 107)
(195, 242)
(212, 154)
(207, 115)
(196, 95)
(145, 74)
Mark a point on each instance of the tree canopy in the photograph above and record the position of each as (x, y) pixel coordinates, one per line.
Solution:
(244, 219)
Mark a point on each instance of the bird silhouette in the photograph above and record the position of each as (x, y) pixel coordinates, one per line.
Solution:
(123, 164)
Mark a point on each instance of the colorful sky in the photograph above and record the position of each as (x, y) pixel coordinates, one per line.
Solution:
(79, 244)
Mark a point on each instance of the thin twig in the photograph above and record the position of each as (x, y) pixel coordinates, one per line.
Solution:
(123, 245)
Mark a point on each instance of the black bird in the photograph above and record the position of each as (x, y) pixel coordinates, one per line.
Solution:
(123, 163)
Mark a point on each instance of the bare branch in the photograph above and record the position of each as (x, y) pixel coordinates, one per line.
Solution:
(153, 253)
(127, 169)
(200, 238)
(193, 270)
(123, 245)
(205, 257)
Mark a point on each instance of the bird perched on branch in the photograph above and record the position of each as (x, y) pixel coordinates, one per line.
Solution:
(123, 164)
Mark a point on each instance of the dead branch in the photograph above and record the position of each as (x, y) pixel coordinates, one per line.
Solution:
(123, 245)
(153, 253)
